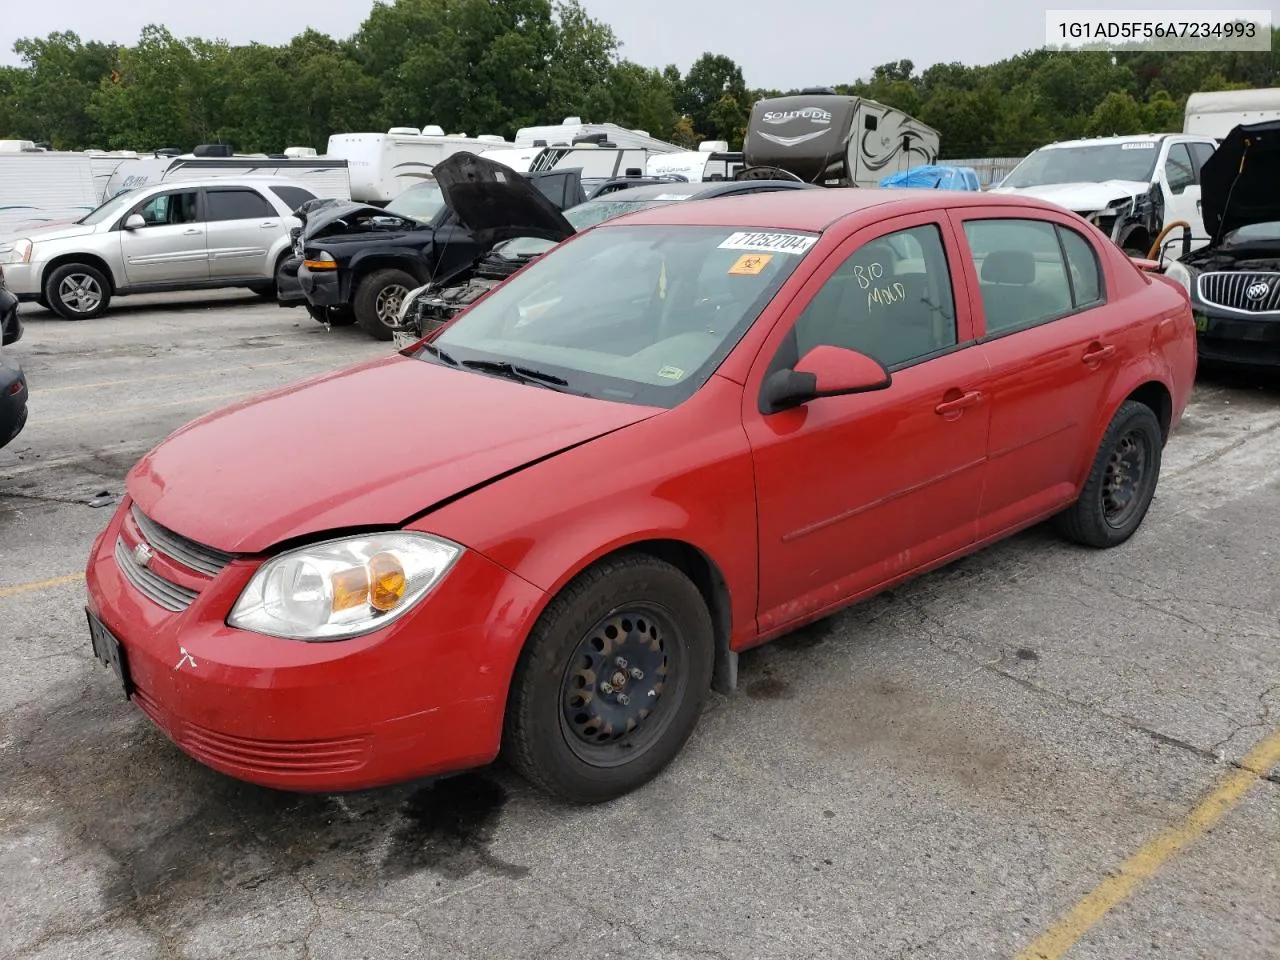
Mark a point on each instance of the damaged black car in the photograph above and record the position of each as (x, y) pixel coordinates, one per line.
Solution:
(1234, 282)
(359, 261)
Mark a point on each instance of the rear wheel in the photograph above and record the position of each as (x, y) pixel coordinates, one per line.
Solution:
(77, 291)
(1121, 483)
(377, 301)
(611, 682)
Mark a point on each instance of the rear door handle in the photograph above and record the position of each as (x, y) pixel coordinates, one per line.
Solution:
(958, 404)
(1098, 353)
(269, 223)
(191, 233)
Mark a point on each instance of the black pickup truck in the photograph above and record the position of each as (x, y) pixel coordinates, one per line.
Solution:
(358, 261)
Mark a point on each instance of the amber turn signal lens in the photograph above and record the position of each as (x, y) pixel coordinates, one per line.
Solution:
(350, 589)
(320, 264)
(386, 582)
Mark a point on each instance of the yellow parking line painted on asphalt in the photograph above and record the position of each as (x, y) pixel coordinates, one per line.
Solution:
(40, 585)
(84, 415)
(1060, 937)
(221, 372)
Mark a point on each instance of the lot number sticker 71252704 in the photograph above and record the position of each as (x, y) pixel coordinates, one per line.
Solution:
(769, 242)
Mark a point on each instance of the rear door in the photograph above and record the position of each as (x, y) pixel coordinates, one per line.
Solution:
(242, 226)
(170, 247)
(1054, 342)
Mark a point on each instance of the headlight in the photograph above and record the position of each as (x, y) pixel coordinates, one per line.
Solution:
(342, 588)
(407, 302)
(1176, 271)
(19, 251)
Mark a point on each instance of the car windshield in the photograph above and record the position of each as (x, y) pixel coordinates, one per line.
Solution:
(1254, 233)
(116, 205)
(421, 202)
(580, 217)
(634, 313)
(1134, 160)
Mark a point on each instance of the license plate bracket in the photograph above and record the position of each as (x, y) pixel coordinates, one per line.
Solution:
(110, 653)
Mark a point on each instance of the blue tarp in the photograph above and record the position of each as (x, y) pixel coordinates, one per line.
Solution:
(935, 177)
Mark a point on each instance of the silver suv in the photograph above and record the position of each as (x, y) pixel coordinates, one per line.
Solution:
(189, 235)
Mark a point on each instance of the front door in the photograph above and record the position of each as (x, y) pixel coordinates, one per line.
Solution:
(1043, 319)
(170, 247)
(854, 491)
(1182, 190)
(242, 226)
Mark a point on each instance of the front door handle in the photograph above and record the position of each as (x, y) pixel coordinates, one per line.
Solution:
(959, 403)
(191, 233)
(1097, 353)
(269, 223)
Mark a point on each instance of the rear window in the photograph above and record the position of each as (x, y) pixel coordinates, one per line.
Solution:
(294, 197)
(237, 204)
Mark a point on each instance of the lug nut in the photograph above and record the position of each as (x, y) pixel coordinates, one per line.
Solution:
(622, 663)
(607, 687)
(637, 673)
(623, 699)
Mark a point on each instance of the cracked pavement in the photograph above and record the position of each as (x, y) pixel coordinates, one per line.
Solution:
(940, 772)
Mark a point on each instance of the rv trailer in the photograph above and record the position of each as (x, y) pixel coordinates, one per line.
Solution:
(326, 177)
(384, 165)
(711, 161)
(835, 141)
(41, 187)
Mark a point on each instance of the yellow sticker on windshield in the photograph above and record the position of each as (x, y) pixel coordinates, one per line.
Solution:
(671, 373)
(750, 264)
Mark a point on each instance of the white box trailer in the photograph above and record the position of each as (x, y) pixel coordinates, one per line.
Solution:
(43, 187)
(327, 177)
(1215, 114)
(384, 165)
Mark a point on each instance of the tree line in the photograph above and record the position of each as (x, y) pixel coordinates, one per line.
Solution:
(478, 67)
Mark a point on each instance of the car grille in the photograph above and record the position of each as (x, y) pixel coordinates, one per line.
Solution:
(151, 585)
(1248, 292)
(198, 557)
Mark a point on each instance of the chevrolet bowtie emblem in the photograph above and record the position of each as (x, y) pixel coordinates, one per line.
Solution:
(142, 554)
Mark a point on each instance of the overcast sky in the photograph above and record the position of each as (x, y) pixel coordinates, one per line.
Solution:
(833, 41)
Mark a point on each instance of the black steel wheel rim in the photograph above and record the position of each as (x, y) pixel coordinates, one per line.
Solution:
(1125, 479)
(622, 685)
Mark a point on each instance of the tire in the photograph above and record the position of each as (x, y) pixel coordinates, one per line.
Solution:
(560, 724)
(334, 316)
(77, 291)
(377, 301)
(1099, 518)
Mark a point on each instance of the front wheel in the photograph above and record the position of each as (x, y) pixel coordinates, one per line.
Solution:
(77, 291)
(339, 316)
(611, 682)
(1121, 483)
(377, 301)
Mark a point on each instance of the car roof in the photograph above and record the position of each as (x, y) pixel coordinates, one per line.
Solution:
(815, 210)
(1103, 141)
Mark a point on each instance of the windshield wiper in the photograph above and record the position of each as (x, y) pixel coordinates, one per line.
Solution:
(439, 354)
(519, 374)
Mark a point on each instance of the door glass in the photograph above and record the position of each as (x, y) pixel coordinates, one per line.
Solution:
(891, 299)
(1086, 278)
(1178, 168)
(1021, 272)
(167, 209)
(238, 205)
(1200, 152)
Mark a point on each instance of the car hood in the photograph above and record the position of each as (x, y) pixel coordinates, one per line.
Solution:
(350, 217)
(60, 231)
(370, 446)
(495, 203)
(1080, 197)
(1238, 182)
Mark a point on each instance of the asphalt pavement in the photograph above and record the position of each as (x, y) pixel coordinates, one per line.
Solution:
(1039, 751)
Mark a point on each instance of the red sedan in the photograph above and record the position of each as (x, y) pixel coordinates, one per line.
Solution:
(553, 525)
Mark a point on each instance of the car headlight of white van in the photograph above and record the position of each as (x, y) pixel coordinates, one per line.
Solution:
(408, 300)
(1176, 271)
(343, 588)
(16, 251)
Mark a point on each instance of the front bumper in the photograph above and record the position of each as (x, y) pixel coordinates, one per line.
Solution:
(10, 321)
(289, 292)
(13, 399)
(1226, 336)
(322, 288)
(23, 279)
(423, 697)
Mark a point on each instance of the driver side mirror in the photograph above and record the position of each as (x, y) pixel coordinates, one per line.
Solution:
(134, 222)
(825, 371)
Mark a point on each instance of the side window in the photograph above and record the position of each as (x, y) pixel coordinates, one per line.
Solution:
(1178, 169)
(293, 197)
(891, 299)
(1200, 152)
(238, 205)
(1021, 273)
(168, 209)
(1086, 276)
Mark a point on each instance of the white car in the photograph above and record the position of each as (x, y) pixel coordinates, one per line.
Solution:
(188, 235)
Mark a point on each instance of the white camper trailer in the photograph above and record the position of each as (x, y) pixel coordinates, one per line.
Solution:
(41, 187)
(1215, 114)
(326, 177)
(519, 159)
(573, 131)
(711, 161)
(384, 165)
(820, 137)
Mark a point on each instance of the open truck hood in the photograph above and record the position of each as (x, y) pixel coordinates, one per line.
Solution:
(495, 203)
(1238, 182)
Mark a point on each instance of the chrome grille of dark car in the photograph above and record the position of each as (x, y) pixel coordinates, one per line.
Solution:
(197, 556)
(1256, 292)
(150, 584)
